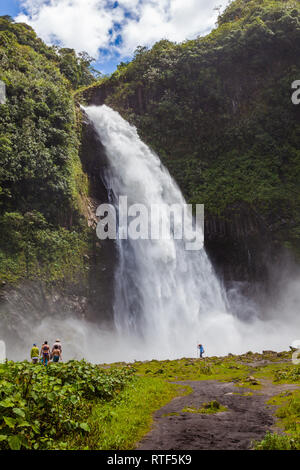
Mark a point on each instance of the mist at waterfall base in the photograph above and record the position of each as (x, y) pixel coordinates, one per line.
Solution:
(167, 299)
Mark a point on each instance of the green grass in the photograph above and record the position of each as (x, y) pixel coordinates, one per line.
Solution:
(222, 369)
(279, 373)
(211, 407)
(278, 442)
(122, 423)
(288, 414)
(288, 410)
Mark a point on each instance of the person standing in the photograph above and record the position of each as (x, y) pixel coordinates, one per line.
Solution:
(45, 353)
(57, 345)
(201, 350)
(34, 354)
(56, 354)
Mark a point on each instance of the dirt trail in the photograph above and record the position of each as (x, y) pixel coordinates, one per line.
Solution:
(247, 419)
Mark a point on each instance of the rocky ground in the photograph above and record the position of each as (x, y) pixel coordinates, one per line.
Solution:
(246, 420)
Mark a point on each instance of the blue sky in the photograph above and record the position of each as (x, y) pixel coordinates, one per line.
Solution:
(111, 30)
(9, 7)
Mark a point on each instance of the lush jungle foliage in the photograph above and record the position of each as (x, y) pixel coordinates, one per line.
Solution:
(218, 110)
(77, 405)
(42, 185)
(43, 407)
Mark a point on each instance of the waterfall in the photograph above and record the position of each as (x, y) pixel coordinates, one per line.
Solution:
(167, 299)
(163, 292)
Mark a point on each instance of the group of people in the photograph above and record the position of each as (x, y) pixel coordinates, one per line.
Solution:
(46, 354)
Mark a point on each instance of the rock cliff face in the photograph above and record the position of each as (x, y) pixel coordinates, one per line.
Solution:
(102, 258)
(238, 245)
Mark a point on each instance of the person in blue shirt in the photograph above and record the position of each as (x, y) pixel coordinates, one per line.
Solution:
(201, 350)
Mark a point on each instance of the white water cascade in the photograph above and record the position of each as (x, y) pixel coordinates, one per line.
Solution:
(163, 292)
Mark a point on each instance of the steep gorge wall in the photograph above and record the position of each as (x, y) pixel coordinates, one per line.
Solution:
(51, 262)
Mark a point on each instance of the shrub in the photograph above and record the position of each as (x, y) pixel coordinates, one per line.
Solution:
(40, 405)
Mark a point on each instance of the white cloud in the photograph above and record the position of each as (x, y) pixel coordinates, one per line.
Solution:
(175, 20)
(79, 24)
(93, 24)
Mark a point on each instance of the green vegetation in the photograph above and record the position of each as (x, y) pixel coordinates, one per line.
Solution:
(42, 185)
(277, 442)
(288, 408)
(288, 375)
(32, 248)
(211, 407)
(288, 414)
(279, 373)
(213, 368)
(120, 424)
(76, 405)
(43, 407)
(244, 370)
(76, 68)
(218, 111)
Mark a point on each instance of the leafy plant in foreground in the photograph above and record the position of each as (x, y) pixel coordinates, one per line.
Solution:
(39, 405)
